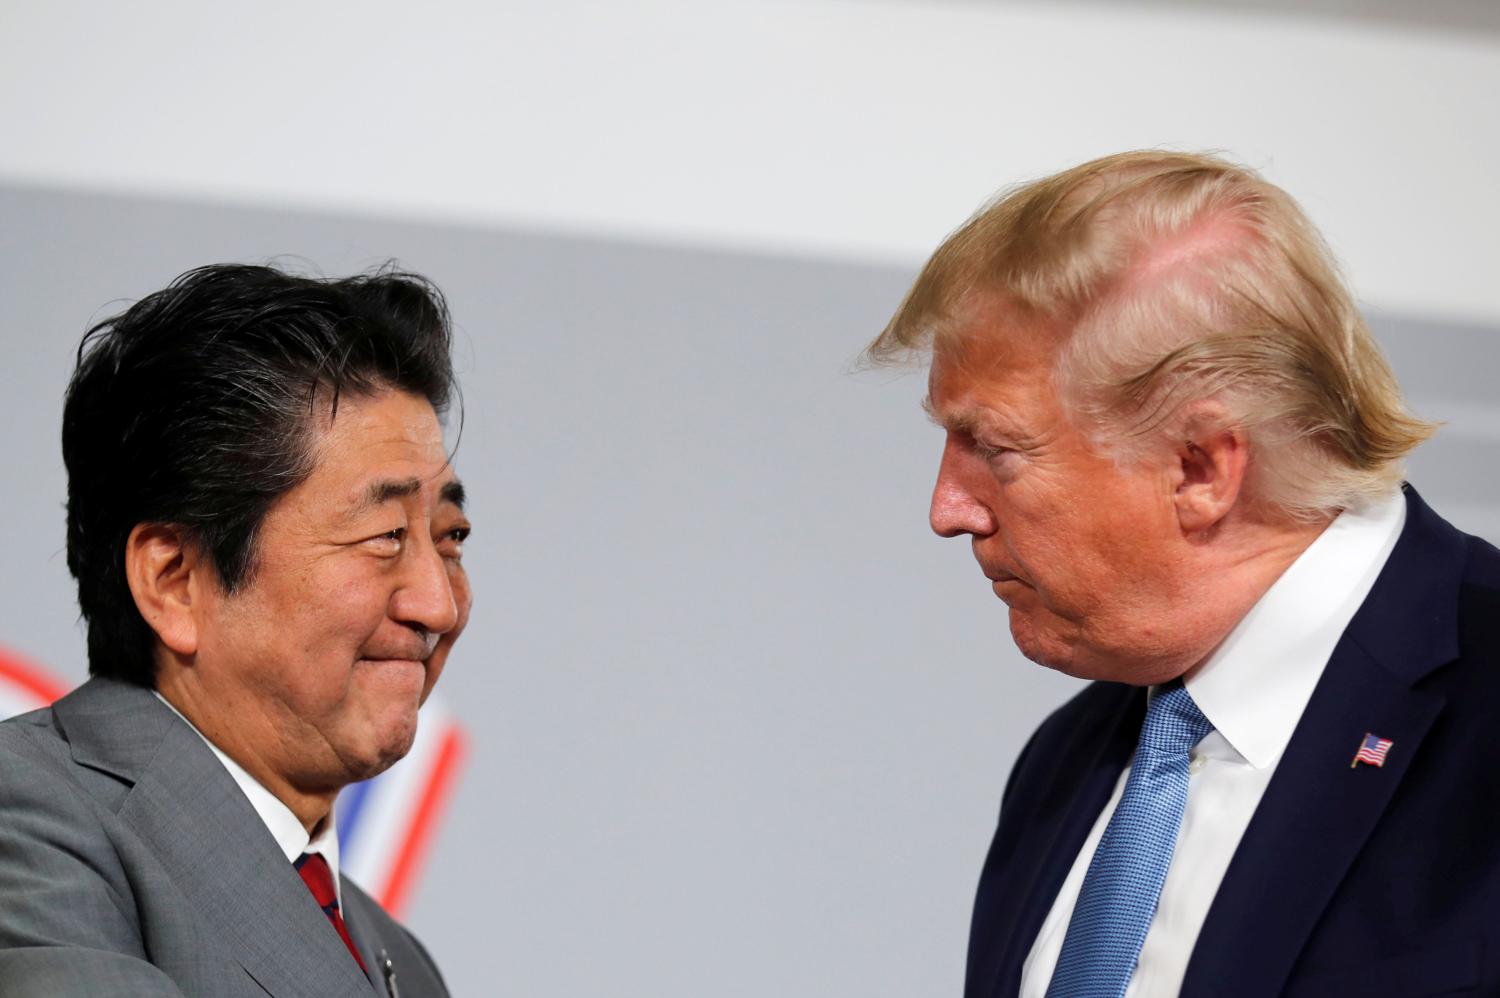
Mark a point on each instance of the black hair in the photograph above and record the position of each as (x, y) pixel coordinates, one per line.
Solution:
(194, 407)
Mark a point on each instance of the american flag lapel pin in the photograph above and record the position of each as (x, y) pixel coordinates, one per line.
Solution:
(1372, 751)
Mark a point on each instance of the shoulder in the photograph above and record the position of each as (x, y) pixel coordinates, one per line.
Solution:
(40, 774)
(61, 880)
(1478, 597)
(91, 742)
(1088, 717)
(1095, 704)
(1482, 570)
(24, 734)
(1072, 736)
(1479, 609)
(34, 735)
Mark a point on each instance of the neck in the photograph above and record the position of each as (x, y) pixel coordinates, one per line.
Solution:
(228, 727)
(1236, 569)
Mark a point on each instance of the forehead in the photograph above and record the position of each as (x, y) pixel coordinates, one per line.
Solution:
(994, 361)
(373, 441)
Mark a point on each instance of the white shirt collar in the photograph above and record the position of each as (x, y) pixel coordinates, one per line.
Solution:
(1255, 685)
(284, 826)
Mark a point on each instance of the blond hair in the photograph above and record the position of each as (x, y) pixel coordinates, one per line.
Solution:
(1179, 278)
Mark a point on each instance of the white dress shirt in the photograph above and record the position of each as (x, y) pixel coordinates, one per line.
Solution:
(1252, 689)
(284, 826)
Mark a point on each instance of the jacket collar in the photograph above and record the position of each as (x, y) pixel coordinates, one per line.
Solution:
(1318, 811)
(195, 820)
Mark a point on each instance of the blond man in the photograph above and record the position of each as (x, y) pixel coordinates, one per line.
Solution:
(1176, 451)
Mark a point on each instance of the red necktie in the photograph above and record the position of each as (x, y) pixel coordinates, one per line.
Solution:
(315, 874)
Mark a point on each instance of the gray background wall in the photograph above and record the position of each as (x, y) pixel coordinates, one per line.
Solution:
(739, 722)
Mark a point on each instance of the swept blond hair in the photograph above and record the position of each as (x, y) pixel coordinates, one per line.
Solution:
(1180, 278)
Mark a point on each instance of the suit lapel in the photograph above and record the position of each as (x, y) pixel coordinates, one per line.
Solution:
(1318, 812)
(362, 930)
(192, 815)
(1057, 844)
(1311, 824)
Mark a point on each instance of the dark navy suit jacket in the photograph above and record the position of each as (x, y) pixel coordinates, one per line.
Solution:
(1357, 881)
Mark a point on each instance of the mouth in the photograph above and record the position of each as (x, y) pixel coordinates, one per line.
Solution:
(399, 680)
(1004, 584)
(404, 653)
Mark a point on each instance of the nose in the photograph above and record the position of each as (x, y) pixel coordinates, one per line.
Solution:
(955, 509)
(424, 599)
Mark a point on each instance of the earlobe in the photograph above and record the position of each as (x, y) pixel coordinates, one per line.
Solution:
(159, 567)
(1213, 463)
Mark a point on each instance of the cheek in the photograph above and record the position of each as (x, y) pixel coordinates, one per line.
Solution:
(331, 622)
(354, 604)
(1080, 550)
(1130, 559)
(1052, 545)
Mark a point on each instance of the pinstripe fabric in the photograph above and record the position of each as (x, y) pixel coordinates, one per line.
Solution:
(1120, 890)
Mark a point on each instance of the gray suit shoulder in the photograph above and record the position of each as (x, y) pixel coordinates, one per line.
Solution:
(61, 882)
(34, 744)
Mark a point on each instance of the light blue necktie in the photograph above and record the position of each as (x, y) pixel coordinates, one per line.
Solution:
(1119, 894)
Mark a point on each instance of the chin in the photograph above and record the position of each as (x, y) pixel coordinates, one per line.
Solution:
(378, 759)
(399, 736)
(1073, 658)
(1058, 652)
(386, 739)
(1040, 645)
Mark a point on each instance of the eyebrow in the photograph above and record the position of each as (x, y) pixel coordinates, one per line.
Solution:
(974, 422)
(453, 493)
(963, 422)
(387, 489)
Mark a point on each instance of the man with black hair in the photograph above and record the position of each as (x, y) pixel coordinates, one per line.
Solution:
(267, 534)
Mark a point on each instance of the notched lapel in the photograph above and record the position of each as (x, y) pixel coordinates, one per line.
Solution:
(221, 856)
(362, 931)
(113, 727)
(1310, 826)
(1318, 812)
(1061, 841)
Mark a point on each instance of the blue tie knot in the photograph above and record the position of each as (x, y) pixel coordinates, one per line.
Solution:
(1174, 724)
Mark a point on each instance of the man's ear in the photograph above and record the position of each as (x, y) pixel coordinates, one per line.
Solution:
(1212, 457)
(159, 567)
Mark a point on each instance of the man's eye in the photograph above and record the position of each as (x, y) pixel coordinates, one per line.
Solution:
(451, 542)
(390, 540)
(988, 451)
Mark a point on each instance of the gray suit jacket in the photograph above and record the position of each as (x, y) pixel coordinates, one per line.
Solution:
(131, 864)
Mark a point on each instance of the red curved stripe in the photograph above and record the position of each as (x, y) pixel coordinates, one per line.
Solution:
(29, 677)
(423, 823)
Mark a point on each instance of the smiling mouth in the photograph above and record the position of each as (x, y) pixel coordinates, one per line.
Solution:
(386, 660)
(413, 652)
